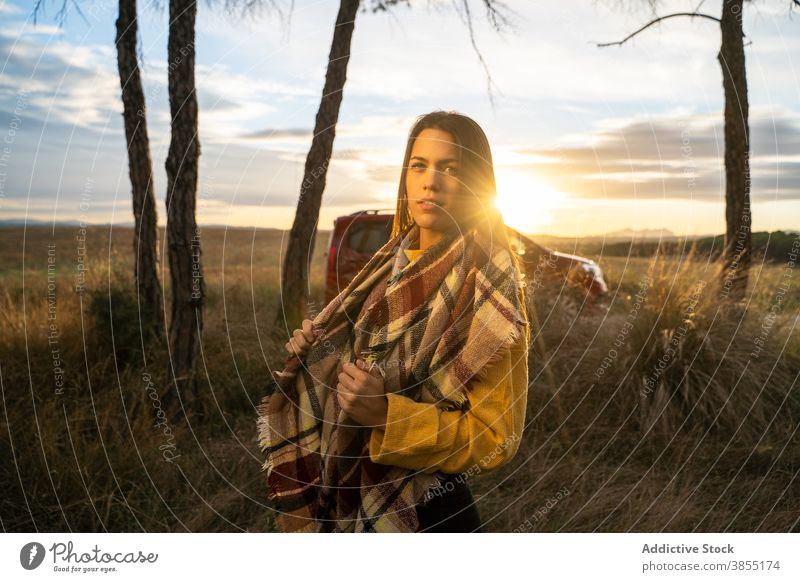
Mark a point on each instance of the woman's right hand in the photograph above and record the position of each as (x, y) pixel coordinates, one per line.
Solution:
(301, 340)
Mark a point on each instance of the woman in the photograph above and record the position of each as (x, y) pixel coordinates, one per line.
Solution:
(415, 376)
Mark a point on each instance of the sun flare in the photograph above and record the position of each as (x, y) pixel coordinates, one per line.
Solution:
(525, 201)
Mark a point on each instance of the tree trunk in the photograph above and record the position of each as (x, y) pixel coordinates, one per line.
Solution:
(183, 237)
(293, 305)
(738, 247)
(140, 170)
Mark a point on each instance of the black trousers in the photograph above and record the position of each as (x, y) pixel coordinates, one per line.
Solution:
(450, 509)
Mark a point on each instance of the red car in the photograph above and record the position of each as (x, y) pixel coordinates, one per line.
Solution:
(546, 268)
(356, 237)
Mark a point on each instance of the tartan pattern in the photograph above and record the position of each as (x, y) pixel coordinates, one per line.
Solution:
(430, 326)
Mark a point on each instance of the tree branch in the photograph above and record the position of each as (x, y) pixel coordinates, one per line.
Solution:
(61, 15)
(498, 14)
(468, 22)
(656, 21)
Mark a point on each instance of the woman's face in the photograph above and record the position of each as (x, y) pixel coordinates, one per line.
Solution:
(432, 182)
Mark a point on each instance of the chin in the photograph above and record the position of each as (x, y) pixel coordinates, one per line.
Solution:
(441, 221)
(427, 222)
(435, 223)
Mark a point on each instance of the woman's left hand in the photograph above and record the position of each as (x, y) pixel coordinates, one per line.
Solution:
(361, 394)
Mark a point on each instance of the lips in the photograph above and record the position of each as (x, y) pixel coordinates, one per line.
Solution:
(428, 205)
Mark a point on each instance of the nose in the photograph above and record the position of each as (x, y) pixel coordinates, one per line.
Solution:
(432, 180)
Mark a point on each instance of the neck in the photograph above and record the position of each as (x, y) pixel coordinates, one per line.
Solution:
(428, 238)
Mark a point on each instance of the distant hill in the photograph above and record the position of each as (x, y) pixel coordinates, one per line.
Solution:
(621, 243)
(20, 222)
(645, 233)
(767, 246)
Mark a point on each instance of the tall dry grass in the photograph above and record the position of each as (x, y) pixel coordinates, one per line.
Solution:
(711, 447)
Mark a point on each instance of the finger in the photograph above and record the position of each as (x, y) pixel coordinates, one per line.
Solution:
(308, 330)
(342, 397)
(300, 339)
(358, 383)
(368, 373)
(348, 382)
(294, 349)
(357, 387)
(370, 368)
(302, 345)
(354, 371)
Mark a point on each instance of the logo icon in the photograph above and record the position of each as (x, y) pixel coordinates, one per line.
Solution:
(31, 555)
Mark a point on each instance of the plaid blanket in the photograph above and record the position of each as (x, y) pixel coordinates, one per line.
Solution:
(430, 327)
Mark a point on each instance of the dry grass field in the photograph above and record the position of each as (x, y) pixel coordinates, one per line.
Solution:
(662, 413)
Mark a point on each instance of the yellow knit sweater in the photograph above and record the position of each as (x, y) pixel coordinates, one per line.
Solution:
(420, 436)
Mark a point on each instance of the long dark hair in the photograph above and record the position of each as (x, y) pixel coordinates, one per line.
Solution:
(476, 169)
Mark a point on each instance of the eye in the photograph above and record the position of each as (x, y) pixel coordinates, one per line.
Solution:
(417, 166)
(451, 170)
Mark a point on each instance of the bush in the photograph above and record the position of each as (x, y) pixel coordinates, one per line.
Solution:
(118, 321)
(688, 360)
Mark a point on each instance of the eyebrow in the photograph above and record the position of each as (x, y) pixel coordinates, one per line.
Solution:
(440, 161)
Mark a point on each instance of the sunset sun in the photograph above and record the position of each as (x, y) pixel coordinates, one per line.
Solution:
(525, 201)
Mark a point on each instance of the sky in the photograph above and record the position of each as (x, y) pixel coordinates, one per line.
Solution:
(586, 140)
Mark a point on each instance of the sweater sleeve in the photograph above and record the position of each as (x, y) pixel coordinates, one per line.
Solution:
(420, 436)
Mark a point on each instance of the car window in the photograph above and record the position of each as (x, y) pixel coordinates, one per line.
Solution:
(367, 237)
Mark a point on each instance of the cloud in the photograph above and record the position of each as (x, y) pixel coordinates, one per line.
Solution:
(368, 126)
(229, 101)
(62, 81)
(8, 8)
(673, 157)
(273, 134)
